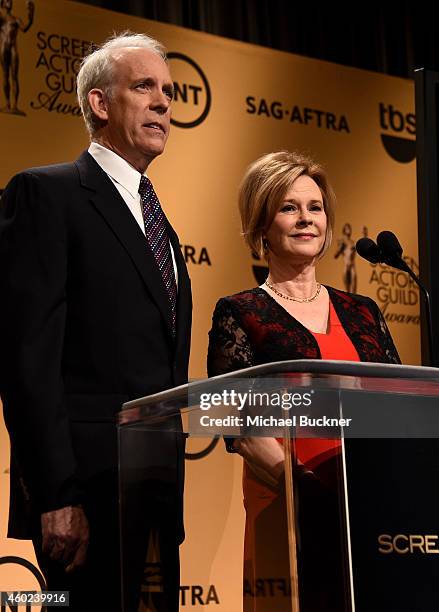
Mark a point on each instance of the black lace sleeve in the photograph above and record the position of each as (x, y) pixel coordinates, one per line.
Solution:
(387, 342)
(229, 347)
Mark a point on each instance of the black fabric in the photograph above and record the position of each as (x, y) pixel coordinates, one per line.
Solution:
(389, 37)
(85, 325)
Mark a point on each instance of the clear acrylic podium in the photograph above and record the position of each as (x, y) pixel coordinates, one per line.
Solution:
(340, 488)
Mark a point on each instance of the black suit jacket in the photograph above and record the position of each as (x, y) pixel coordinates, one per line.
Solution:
(85, 325)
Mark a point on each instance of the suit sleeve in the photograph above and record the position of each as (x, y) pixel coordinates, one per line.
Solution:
(33, 270)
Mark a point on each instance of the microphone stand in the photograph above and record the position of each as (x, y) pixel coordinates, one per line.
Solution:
(396, 261)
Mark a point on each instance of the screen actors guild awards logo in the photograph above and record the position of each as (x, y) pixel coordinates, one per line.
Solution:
(10, 26)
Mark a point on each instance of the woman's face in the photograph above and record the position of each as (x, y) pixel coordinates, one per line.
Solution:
(298, 229)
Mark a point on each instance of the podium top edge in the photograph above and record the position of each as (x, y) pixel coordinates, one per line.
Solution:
(313, 367)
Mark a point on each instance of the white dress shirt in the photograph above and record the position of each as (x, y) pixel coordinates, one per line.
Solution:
(126, 180)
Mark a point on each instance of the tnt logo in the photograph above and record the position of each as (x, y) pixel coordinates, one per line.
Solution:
(16, 571)
(192, 99)
(400, 148)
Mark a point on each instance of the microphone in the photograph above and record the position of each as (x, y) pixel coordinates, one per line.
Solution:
(367, 249)
(389, 243)
(389, 251)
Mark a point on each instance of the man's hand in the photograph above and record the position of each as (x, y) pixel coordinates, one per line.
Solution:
(65, 536)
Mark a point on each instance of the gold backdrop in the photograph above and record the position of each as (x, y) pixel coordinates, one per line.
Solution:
(234, 102)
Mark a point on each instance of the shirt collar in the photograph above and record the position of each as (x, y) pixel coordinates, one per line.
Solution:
(116, 167)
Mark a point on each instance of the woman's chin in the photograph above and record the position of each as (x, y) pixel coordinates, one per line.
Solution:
(295, 259)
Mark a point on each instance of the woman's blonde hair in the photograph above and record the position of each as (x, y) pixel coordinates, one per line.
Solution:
(265, 185)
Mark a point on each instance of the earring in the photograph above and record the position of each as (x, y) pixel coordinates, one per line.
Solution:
(265, 244)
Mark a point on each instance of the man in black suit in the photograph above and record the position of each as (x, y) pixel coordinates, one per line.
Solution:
(95, 311)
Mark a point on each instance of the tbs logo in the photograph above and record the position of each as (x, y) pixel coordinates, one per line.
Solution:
(399, 148)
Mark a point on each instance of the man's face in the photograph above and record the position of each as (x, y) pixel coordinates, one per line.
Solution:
(139, 105)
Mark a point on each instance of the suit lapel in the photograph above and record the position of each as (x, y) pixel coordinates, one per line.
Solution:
(107, 200)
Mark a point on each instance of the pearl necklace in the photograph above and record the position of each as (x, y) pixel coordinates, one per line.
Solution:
(294, 299)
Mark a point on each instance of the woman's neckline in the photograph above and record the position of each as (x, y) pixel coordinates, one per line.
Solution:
(329, 324)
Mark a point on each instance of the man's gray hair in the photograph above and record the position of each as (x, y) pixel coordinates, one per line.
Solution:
(97, 69)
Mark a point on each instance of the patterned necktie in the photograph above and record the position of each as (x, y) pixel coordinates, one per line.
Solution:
(158, 239)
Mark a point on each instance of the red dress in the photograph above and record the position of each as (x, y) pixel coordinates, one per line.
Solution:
(266, 510)
(333, 345)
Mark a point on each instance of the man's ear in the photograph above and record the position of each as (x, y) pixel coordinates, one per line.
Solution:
(99, 103)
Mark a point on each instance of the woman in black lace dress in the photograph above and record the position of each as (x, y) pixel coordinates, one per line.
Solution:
(287, 213)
